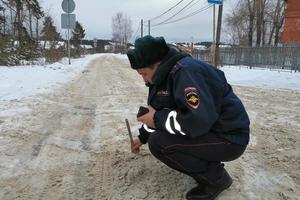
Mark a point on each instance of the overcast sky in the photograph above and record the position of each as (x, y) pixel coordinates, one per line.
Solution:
(96, 17)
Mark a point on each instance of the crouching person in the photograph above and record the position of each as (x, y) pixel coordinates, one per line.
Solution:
(195, 121)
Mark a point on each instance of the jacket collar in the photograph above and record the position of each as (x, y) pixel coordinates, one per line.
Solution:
(165, 66)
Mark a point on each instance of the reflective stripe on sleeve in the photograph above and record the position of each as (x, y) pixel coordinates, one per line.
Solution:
(171, 119)
(148, 129)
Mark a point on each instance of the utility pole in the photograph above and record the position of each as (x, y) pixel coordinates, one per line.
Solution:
(192, 46)
(216, 38)
(149, 27)
(142, 27)
(213, 46)
(95, 45)
(217, 54)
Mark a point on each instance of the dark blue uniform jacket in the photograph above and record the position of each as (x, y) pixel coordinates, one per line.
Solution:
(193, 98)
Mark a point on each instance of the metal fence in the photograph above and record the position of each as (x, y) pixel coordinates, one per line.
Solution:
(286, 57)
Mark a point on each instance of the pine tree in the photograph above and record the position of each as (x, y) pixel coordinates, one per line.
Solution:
(78, 34)
(16, 29)
(51, 36)
(34, 10)
(49, 33)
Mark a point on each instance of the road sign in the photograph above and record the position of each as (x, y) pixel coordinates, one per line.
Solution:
(68, 21)
(215, 1)
(68, 6)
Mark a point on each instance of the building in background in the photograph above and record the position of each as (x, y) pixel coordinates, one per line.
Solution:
(291, 33)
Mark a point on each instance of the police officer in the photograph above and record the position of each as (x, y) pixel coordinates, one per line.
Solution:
(195, 121)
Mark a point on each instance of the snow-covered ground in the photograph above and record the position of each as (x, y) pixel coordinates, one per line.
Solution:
(24, 81)
(63, 136)
(262, 77)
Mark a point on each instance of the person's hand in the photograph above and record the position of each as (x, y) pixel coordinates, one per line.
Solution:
(148, 118)
(135, 145)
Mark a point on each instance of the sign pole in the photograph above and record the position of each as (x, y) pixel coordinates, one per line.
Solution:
(69, 51)
(69, 48)
(69, 55)
(68, 21)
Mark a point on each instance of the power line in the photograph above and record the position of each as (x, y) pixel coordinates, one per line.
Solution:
(174, 14)
(187, 16)
(194, 4)
(167, 10)
(184, 17)
(191, 5)
(137, 30)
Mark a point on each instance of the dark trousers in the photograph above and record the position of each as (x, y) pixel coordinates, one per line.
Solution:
(196, 157)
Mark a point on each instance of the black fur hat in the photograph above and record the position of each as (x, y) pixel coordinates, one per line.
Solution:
(147, 51)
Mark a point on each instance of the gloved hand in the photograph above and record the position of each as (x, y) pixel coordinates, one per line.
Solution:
(148, 118)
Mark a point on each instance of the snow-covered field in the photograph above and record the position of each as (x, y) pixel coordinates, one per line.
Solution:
(63, 136)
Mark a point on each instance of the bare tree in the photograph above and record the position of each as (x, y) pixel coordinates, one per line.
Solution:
(277, 22)
(117, 27)
(121, 29)
(259, 19)
(251, 21)
(238, 25)
(35, 11)
(127, 29)
(2, 20)
(18, 22)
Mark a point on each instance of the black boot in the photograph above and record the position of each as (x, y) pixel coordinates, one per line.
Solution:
(211, 190)
(198, 189)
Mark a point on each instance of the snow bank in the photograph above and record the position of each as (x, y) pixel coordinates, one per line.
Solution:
(24, 81)
(261, 77)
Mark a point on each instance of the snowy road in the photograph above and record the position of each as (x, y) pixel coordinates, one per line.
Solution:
(72, 143)
(52, 151)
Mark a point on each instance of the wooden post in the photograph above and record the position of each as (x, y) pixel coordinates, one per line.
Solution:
(218, 36)
(142, 28)
(148, 27)
(213, 46)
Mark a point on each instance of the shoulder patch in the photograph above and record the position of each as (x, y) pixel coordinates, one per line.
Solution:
(192, 97)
